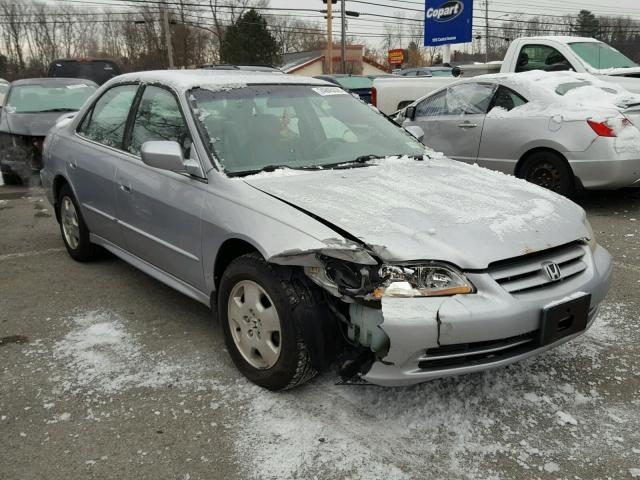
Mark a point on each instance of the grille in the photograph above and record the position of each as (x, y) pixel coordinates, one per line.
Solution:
(476, 353)
(527, 273)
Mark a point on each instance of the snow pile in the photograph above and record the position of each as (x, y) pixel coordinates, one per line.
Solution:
(583, 96)
(100, 354)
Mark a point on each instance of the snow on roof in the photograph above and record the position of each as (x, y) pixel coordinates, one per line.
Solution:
(560, 38)
(184, 80)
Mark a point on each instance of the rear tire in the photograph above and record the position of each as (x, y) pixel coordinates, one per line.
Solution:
(75, 233)
(10, 178)
(262, 309)
(548, 170)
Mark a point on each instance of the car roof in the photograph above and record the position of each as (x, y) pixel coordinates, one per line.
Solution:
(54, 81)
(560, 38)
(183, 80)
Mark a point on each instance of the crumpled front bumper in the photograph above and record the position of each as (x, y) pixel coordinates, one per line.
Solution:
(416, 325)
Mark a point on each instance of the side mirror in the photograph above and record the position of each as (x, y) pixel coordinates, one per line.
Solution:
(416, 131)
(410, 112)
(164, 155)
(456, 71)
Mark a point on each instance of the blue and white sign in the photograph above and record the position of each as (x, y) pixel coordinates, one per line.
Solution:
(448, 21)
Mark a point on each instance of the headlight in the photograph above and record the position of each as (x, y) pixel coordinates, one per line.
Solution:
(433, 280)
(591, 238)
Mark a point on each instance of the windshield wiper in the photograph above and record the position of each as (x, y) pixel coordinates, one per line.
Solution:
(61, 109)
(273, 168)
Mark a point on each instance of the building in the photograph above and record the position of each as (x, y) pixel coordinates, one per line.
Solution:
(315, 62)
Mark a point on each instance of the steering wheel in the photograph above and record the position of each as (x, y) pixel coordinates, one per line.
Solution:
(331, 143)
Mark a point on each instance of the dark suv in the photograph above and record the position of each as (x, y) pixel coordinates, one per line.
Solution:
(98, 70)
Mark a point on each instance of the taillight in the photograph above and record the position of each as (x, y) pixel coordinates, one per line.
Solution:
(374, 97)
(602, 129)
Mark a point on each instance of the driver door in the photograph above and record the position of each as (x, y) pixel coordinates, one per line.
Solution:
(452, 119)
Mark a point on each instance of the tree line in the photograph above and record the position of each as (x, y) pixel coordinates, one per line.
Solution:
(202, 32)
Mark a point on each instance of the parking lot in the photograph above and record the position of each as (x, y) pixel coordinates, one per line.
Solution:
(106, 373)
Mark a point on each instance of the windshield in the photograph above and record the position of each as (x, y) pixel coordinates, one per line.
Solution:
(351, 83)
(43, 98)
(600, 55)
(298, 126)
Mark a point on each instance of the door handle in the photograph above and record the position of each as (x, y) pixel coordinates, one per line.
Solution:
(467, 125)
(125, 188)
(72, 165)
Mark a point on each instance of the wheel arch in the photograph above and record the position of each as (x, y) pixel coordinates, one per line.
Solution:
(230, 249)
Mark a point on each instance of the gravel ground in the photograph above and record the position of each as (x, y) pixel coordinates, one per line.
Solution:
(106, 373)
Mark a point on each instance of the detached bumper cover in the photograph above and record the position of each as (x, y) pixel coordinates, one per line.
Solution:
(492, 328)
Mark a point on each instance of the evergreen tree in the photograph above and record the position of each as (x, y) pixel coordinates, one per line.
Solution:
(248, 42)
(587, 24)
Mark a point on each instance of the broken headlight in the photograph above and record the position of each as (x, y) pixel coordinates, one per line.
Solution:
(433, 280)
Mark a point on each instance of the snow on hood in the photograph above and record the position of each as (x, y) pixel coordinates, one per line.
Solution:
(435, 209)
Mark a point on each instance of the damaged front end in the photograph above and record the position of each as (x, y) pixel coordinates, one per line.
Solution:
(366, 295)
(20, 156)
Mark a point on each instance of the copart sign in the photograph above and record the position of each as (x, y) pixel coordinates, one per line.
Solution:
(448, 22)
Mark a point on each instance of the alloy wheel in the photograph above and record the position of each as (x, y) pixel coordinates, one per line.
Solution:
(254, 324)
(69, 220)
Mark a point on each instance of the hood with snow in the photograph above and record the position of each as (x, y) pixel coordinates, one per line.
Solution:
(434, 209)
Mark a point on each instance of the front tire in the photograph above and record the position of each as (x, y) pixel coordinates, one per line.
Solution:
(75, 233)
(549, 170)
(261, 310)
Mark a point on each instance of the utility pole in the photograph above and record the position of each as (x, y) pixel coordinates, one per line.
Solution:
(486, 31)
(344, 36)
(167, 36)
(330, 36)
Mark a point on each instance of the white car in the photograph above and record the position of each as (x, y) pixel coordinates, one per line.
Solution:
(560, 130)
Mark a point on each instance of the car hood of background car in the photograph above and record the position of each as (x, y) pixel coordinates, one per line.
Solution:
(435, 209)
(29, 124)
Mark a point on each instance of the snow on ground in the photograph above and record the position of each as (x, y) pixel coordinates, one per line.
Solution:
(99, 353)
(536, 418)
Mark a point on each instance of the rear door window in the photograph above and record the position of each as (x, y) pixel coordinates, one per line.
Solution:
(106, 120)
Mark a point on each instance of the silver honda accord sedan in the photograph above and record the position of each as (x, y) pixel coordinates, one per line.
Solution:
(320, 232)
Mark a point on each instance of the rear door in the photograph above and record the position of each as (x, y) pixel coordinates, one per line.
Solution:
(159, 211)
(452, 119)
(94, 158)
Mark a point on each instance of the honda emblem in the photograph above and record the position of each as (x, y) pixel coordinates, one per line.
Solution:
(552, 270)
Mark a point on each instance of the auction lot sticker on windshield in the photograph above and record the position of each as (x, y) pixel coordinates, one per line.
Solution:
(326, 91)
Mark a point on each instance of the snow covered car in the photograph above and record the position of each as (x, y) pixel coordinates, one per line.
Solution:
(30, 108)
(320, 231)
(560, 130)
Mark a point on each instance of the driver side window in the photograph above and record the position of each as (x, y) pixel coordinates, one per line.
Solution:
(541, 57)
(159, 118)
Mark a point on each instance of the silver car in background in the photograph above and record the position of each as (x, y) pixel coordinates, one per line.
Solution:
(559, 130)
(318, 230)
